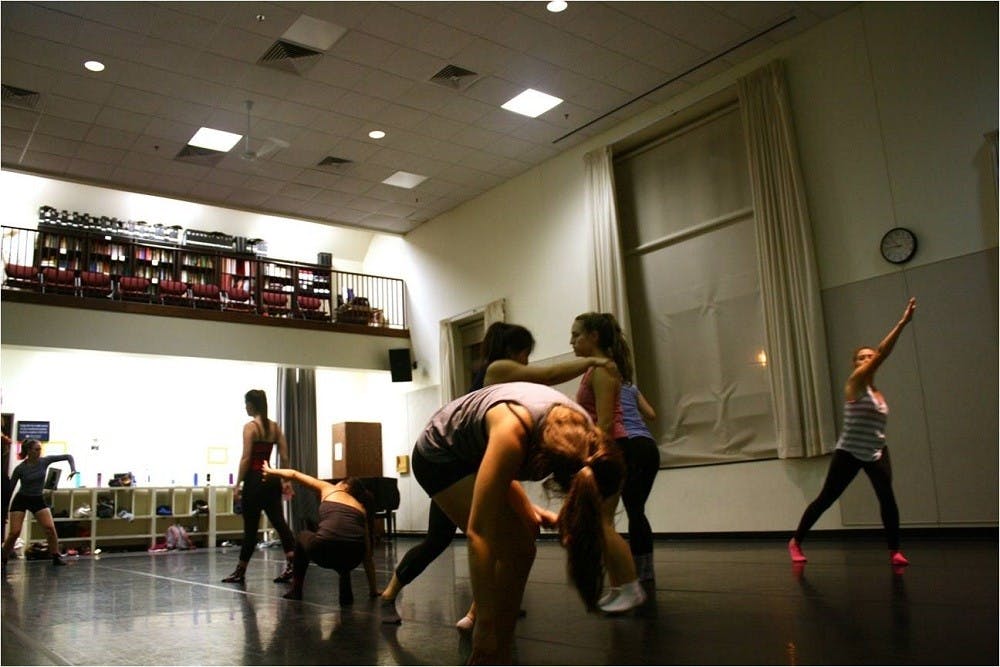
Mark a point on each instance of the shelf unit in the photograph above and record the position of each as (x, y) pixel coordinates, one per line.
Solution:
(146, 526)
(54, 257)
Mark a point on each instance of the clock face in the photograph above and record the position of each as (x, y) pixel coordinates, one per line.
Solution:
(898, 245)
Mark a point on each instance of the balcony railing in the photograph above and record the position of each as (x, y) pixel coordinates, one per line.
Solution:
(99, 269)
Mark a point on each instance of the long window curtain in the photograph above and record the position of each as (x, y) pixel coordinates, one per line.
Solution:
(297, 416)
(793, 318)
(609, 273)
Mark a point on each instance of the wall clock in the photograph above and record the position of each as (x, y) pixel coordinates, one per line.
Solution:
(898, 245)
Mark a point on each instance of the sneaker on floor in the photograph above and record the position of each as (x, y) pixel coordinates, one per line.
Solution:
(466, 623)
(795, 551)
(629, 597)
(57, 560)
(897, 559)
(608, 596)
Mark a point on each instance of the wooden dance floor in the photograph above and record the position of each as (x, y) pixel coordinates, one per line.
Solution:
(717, 602)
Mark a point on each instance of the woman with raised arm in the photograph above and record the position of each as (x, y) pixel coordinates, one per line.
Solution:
(31, 475)
(468, 459)
(861, 446)
(260, 436)
(598, 334)
(505, 351)
(343, 537)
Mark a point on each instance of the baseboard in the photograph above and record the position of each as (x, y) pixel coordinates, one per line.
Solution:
(977, 533)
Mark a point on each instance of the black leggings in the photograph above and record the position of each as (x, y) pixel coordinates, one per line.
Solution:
(642, 462)
(440, 533)
(260, 496)
(843, 468)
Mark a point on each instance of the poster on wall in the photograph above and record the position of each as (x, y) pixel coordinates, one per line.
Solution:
(33, 429)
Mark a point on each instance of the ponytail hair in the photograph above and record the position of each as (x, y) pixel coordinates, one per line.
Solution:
(26, 444)
(588, 468)
(258, 401)
(611, 340)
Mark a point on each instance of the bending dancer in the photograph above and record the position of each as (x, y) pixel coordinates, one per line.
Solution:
(505, 352)
(861, 446)
(642, 462)
(31, 475)
(598, 334)
(260, 435)
(342, 539)
(468, 459)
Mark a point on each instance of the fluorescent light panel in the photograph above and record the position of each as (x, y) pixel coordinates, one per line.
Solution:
(404, 179)
(216, 140)
(531, 103)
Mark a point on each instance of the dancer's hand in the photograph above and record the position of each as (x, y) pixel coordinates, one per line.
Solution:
(911, 306)
(546, 518)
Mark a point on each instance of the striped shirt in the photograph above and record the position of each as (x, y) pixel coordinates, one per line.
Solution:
(863, 436)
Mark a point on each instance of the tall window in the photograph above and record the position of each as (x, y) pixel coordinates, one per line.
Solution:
(687, 228)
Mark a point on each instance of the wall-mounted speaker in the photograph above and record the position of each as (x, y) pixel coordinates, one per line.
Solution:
(400, 366)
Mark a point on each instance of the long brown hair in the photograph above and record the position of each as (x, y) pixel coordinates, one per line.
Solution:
(258, 401)
(611, 340)
(586, 467)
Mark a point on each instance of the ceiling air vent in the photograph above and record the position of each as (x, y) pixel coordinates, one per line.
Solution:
(20, 97)
(199, 155)
(330, 161)
(454, 77)
(290, 57)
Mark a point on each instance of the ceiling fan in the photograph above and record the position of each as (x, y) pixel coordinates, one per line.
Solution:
(270, 146)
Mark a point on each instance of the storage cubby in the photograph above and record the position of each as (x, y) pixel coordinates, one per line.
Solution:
(78, 525)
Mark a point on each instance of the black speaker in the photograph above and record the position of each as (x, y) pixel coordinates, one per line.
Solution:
(399, 365)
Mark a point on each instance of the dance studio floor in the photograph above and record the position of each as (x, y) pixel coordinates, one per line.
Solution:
(722, 601)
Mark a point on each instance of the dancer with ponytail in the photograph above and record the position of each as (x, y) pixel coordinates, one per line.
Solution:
(505, 350)
(468, 459)
(260, 435)
(598, 334)
(861, 447)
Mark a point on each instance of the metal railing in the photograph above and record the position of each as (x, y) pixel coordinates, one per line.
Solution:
(95, 265)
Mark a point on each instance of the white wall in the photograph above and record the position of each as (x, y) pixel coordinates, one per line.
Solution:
(891, 102)
(287, 238)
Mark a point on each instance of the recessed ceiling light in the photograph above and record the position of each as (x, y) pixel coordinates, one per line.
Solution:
(94, 65)
(531, 103)
(376, 134)
(556, 6)
(216, 140)
(404, 179)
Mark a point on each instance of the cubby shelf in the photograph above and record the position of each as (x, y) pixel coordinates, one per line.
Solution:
(146, 526)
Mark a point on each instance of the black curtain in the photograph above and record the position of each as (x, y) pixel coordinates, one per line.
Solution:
(297, 417)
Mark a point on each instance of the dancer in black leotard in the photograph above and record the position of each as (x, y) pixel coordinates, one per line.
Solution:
(342, 539)
(260, 434)
(31, 474)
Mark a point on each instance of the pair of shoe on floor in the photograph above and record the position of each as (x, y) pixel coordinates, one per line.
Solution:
(620, 599)
(896, 558)
(239, 576)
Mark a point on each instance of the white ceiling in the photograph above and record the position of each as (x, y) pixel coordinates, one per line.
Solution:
(175, 66)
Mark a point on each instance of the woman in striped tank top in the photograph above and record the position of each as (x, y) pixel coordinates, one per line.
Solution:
(861, 447)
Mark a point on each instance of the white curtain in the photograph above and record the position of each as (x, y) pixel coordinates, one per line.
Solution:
(609, 295)
(793, 317)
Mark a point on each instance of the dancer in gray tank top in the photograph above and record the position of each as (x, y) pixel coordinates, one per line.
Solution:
(469, 458)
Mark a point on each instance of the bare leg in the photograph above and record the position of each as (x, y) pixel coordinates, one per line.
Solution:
(617, 557)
